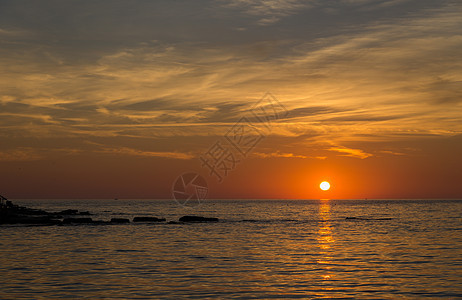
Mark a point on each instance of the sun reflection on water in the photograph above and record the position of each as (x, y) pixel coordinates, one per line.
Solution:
(325, 239)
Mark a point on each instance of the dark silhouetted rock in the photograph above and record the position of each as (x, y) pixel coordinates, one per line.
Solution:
(100, 222)
(147, 219)
(120, 220)
(15, 214)
(27, 220)
(68, 212)
(368, 219)
(197, 219)
(10, 209)
(77, 221)
(85, 213)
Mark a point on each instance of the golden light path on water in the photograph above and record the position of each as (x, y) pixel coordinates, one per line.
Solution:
(325, 238)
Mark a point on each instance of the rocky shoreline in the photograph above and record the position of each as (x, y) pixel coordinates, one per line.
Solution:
(11, 214)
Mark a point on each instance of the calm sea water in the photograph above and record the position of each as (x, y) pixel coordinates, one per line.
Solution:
(260, 249)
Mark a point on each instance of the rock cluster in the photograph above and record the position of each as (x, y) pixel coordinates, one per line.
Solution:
(15, 214)
(196, 219)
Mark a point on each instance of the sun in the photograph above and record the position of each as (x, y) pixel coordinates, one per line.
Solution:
(325, 186)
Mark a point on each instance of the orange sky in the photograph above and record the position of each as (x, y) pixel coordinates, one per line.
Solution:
(117, 99)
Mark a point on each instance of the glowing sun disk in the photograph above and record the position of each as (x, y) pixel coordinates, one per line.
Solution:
(325, 186)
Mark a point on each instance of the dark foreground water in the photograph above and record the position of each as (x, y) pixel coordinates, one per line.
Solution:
(261, 249)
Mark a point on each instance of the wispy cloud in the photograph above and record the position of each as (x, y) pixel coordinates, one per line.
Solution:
(270, 11)
(11, 32)
(279, 154)
(20, 154)
(382, 79)
(356, 153)
(135, 152)
(392, 152)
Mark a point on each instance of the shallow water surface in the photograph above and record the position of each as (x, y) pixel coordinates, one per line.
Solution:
(260, 249)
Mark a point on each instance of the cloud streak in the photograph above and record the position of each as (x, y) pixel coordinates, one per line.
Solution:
(269, 11)
(135, 152)
(279, 154)
(356, 153)
(377, 79)
(20, 154)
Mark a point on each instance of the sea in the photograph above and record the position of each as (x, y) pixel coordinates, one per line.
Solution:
(260, 249)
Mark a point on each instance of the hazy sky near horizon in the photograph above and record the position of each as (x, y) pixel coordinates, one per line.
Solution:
(117, 98)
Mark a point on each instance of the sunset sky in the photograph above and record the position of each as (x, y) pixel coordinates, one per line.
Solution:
(106, 99)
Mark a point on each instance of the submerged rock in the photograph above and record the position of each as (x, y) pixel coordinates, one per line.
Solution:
(147, 219)
(197, 219)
